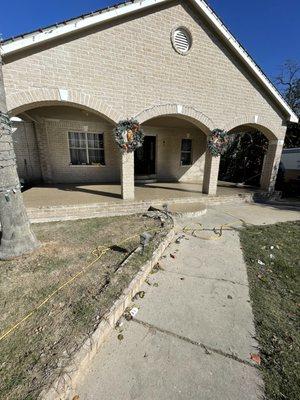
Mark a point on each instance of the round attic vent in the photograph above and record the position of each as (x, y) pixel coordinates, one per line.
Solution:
(181, 40)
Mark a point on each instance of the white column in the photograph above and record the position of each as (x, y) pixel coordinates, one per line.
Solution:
(211, 172)
(127, 175)
(271, 165)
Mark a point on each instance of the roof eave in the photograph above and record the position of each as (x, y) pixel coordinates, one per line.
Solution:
(205, 10)
(54, 32)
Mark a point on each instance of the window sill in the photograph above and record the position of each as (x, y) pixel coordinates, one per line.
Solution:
(86, 165)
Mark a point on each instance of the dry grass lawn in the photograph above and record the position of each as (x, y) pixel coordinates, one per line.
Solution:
(274, 290)
(34, 354)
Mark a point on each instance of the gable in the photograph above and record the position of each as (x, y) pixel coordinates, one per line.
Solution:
(138, 49)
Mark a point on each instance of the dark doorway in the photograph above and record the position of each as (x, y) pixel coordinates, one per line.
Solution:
(144, 158)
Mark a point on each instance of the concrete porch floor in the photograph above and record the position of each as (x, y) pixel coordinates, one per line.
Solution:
(75, 194)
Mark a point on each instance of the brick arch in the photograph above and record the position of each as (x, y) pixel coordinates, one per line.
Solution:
(181, 111)
(271, 131)
(27, 99)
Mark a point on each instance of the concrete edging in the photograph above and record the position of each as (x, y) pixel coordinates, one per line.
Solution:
(65, 385)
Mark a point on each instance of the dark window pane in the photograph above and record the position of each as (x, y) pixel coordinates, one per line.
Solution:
(77, 140)
(73, 139)
(186, 152)
(186, 158)
(186, 145)
(102, 159)
(92, 141)
(96, 156)
(78, 156)
(82, 140)
(95, 140)
(101, 140)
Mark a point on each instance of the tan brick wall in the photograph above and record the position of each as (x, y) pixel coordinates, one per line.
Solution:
(58, 154)
(50, 153)
(125, 68)
(27, 154)
(168, 149)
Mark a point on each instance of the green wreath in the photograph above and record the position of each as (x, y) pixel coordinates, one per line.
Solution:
(218, 142)
(129, 135)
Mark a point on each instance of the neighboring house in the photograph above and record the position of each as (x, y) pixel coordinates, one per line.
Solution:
(290, 169)
(172, 64)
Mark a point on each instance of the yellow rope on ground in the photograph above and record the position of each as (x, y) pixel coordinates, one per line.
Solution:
(97, 253)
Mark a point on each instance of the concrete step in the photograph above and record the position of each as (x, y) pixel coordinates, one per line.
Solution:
(192, 206)
(187, 210)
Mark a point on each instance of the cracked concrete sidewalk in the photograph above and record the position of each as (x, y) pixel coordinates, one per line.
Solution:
(194, 332)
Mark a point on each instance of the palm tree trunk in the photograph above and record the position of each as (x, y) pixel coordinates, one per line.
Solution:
(17, 237)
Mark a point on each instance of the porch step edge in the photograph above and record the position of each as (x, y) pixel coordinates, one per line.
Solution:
(99, 210)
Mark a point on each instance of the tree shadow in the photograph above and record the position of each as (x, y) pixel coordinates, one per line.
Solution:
(118, 249)
(74, 188)
(171, 188)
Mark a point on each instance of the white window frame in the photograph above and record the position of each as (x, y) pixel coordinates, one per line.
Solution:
(87, 149)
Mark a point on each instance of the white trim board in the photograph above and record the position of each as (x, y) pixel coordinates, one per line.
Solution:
(241, 52)
(75, 25)
(53, 32)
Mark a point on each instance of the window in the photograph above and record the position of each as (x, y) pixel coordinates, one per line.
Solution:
(86, 148)
(186, 152)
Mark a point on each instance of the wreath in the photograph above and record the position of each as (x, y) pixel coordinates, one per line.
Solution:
(5, 124)
(129, 135)
(218, 142)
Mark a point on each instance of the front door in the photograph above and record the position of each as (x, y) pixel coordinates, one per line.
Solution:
(144, 158)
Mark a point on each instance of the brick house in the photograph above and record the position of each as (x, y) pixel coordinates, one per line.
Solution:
(172, 64)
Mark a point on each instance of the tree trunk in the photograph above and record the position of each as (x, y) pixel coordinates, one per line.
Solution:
(17, 238)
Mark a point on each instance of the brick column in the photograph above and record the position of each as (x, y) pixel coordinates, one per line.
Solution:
(44, 151)
(211, 172)
(127, 176)
(271, 165)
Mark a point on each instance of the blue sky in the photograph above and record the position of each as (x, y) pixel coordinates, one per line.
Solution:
(268, 29)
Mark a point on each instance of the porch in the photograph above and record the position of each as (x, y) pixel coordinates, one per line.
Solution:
(61, 145)
(74, 201)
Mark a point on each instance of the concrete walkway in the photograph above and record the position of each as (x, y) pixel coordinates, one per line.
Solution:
(194, 332)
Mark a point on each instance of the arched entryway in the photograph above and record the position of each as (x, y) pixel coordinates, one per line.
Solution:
(63, 142)
(41, 97)
(174, 149)
(259, 157)
(242, 162)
